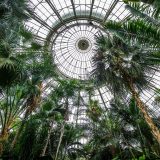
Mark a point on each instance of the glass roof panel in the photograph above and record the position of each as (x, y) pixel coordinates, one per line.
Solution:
(49, 13)
(103, 7)
(62, 6)
(119, 12)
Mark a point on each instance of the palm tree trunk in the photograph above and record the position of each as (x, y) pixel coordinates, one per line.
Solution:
(155, 131)
(47, 140)
(1, 148)
(60, 140)
(20, 129)
(66, 116)
(3, 137)
(78, 106)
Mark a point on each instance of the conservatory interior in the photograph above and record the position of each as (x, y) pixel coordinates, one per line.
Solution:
(80, 79)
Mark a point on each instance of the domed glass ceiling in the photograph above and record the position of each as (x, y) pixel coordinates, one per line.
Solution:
(74, 50)
(50, 14)
(66, 23)
(68, 28)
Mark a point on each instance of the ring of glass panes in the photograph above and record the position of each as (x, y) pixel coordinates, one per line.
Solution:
(73, 51)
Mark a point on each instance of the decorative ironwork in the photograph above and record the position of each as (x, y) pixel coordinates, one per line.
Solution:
(68, 27)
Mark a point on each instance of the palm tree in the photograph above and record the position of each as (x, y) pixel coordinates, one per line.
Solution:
(137, 31)
(131, 116)
(110, 141)
(126, 69)
(12, 105)
(32, 103)
(69, 142)
(35, 75)
(123, 134)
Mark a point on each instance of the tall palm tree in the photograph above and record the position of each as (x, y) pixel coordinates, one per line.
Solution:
(127, 68)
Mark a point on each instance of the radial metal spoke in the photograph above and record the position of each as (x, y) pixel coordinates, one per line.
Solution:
(55, 10)
(91, 10)
(110, 10)
(39, 20)
(74, 10)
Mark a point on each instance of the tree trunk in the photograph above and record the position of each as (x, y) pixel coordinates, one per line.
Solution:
(1, 148)
(4, 135)
(155, 131)
(47, 140)
(66, 116)
(20, 129)
(60, 140)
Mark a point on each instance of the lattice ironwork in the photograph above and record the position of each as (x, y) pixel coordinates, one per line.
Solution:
(68, 28)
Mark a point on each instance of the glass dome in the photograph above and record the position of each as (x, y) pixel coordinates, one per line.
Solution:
(68, 28)
(64, 24)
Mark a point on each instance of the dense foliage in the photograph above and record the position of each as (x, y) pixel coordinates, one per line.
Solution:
(36, 103)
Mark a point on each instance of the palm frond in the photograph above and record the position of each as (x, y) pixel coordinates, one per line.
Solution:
(137, 10)
(137, 31)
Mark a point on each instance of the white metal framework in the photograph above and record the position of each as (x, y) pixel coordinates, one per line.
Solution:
(67, 28)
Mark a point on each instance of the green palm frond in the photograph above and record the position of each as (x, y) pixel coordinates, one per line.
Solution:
(9, 71)
(138, 31)
(36, 46)
(157, 96)
(136, 63)
(153, 58)
(137, 10)
(25, 34)
(16, 8)
(155, 4)
(7, 63)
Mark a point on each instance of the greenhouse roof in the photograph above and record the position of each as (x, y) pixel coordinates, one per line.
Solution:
(68, 28)
(64, 24)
